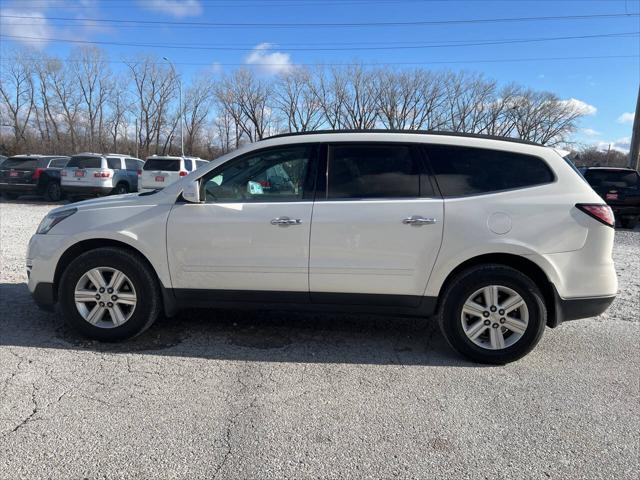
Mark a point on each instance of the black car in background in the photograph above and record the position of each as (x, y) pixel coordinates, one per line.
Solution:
(620, 188)
(32, 175)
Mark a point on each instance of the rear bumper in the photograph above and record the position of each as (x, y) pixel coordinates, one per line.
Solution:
(567, 309)
(86, 190)
(626, 210)
(19, 188)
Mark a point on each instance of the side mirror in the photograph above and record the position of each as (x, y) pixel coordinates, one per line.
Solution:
(191, 192)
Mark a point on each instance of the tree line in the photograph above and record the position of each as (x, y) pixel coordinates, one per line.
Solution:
(62, 106)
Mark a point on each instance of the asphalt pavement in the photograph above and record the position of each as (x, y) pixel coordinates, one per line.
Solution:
(222, 394)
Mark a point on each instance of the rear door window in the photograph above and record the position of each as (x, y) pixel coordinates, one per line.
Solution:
(462, 171)
(169, 165)
(85, 162)
(114, 163)
(359, 171)
(188, 164)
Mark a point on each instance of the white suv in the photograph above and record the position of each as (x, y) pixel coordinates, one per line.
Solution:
(496, 238)
(160, 171)
(89, 174)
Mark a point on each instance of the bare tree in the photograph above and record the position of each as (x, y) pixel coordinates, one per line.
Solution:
(543, 118)
(17, 92)
(294, 97)
(198, 102)
(155, 87)
(94, 80)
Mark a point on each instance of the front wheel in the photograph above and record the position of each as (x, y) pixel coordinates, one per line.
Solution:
(109, 294)
(493, 314)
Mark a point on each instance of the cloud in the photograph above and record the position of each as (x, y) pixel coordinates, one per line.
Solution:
(35, 26)
(626, 117)
(622, 145)
(175, 8)
(270, 63)
(216, 68)
(590, 132)
(579, 106)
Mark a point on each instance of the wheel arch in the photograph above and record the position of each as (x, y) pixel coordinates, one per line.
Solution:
(83, 246)
(517, 262)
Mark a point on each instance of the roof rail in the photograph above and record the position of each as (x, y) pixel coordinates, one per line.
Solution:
(416, 132)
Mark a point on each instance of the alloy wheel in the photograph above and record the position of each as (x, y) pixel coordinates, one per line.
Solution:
(494, 317)
(105, 297)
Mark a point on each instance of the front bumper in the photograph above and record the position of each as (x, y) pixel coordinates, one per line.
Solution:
(45, 296)
(87, 190)
(567, 309)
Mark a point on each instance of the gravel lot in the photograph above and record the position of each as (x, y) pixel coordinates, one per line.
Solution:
(281, 395)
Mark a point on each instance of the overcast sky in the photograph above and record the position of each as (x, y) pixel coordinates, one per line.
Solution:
(273, 36)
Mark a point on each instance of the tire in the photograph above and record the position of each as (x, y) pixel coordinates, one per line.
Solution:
(629, 223)
(53, 192)
(511, 284)
(141, 283)
(121, 189)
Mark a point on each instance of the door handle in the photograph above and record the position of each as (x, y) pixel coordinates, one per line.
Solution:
(418, 220)
(285, 221)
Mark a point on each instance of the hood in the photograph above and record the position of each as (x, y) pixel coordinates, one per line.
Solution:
(112, 201)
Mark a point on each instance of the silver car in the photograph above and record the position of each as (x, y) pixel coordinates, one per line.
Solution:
(90, 174)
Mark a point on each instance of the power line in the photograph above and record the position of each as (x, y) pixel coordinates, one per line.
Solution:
(370, 64)
(400, 47)
(330, 25)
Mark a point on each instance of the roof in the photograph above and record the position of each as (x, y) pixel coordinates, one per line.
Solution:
(415, 132)
(626, 169)
(38, 155)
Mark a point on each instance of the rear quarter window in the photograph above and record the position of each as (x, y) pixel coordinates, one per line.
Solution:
(20, 163)
(169, 165)
(462, 171)
(85, 162)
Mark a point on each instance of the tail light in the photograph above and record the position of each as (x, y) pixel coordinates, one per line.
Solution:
(102, 174)
(600, 212)
(36, 174)
(183, 173)
(63, 173)
(139, 172)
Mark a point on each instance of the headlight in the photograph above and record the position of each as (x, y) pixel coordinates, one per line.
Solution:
(52, 219)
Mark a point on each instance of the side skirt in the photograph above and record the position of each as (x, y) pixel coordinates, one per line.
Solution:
(403, 305)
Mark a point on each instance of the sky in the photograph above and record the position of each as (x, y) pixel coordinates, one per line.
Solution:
(218, 36)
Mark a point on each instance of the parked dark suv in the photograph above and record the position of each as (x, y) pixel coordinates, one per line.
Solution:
(620, 188)
(32, 175)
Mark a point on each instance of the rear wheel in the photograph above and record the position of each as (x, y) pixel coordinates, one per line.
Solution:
(121, 189)
(52, 192)
(493, 314)
(109, 294)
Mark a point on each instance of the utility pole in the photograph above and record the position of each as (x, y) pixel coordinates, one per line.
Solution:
(180, 113)
(634, 151)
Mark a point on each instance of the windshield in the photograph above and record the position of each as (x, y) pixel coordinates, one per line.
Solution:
(85, 162)
(27, 163)
(166, 164)
(613, 178)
